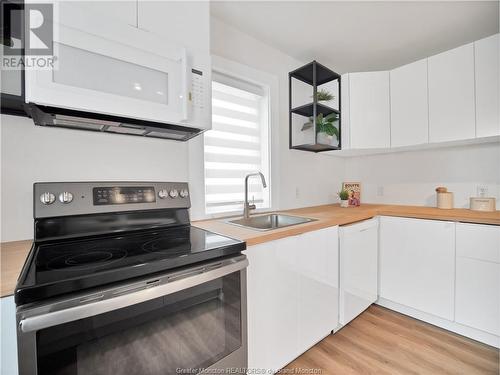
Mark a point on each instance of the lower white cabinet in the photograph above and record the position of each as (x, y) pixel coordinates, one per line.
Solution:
(292, 296)
(417, 264)
(8, 343)
(358, 268)
(478, 277)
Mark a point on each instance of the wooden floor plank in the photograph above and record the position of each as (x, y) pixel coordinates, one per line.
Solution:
(381, 341)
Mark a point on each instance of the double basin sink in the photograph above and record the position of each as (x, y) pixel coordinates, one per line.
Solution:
(269, 221)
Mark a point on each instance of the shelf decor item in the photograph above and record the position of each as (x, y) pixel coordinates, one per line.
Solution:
(354, 192)
(344, 198)
(324, 95)
(315, 126)
(444, 198)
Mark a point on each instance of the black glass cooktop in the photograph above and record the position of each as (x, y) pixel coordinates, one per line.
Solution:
(69, 266)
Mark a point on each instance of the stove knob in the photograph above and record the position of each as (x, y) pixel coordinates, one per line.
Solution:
(173, 193)
(65, 197)
(47, 198)
(184, 193)
(163, 193)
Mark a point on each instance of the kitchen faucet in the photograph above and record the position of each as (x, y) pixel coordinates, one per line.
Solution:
(247, 206)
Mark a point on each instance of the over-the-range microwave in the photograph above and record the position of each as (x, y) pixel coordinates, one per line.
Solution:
(116, 78)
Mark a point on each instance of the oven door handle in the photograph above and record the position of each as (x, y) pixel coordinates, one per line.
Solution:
(50, 319)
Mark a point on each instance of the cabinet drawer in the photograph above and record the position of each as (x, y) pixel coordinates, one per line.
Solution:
(478, 242)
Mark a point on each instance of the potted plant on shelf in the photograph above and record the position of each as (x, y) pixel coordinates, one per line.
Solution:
(324, 96)
(344, 198)
(327, 132)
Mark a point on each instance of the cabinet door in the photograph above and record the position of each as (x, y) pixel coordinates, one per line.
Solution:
(417, 264)
(9, 336)
(478, 277)
(122, 11)
(272, 286)
(317, 267)
(358, 268)
(369, 106)
(487, 69)
(478, 294)
(451, 95)
(409, 105)
(184, 22)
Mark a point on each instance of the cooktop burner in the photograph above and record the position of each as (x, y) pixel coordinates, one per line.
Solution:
(72, 265)
(91, 259)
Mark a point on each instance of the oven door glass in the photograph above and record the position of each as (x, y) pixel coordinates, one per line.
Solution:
(188, 330)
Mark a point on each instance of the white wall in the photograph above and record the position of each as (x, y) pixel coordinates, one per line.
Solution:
(32, 153)
(315, 177)
(411, 177)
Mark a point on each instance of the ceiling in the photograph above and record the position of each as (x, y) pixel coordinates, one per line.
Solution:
(354, 36)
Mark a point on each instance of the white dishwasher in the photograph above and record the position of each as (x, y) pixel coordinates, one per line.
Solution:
(358, 268)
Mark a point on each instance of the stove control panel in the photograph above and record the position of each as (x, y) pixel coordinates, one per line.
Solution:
(123, 195)
(52, 199)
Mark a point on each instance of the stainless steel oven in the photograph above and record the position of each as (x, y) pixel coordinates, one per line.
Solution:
(190, 321)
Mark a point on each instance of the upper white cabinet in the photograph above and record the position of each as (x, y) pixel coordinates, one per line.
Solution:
(478, 277)
(487, 68)
(124, 12)
(417, 264)
(369, 110)
(451, 95)
(409, 105)
(183, 22)
(358, 268)
(292, 293)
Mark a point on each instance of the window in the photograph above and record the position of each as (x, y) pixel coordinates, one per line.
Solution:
(237, 144)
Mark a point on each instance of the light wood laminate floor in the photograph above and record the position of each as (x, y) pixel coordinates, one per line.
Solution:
(381, 341)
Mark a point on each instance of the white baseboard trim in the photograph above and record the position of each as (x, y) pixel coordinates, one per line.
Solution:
(475, 334)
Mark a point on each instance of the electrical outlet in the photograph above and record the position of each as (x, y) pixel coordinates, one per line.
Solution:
(380, 191)
(482, 190)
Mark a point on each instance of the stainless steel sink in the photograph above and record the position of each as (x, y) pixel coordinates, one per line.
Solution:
(270, 221)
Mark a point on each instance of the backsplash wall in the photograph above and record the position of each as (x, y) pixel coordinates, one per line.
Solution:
(32, 153)
(411, 177)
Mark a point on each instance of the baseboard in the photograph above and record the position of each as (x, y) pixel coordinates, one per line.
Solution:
(472, 333)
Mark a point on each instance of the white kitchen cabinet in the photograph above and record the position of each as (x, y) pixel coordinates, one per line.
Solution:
(487, 79)
(417, 264)
(409, 105)
(184, 22)
(317, 266)
(478, 277)
(272, 303)
(292, 296)
(122, 11)
(8, 343)
(451, 95)
(369, 110)
(358, 268)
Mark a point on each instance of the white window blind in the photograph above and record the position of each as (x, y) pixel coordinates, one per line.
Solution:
(236, 145)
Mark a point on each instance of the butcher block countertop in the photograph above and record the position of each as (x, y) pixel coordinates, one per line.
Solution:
(331, 215)
(12, 257)
(13, 254)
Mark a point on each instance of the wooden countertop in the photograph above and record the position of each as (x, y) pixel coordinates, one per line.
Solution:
(330, 215)
(13, 254)
(12, 257)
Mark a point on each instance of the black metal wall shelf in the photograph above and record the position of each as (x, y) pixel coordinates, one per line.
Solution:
(308, 110)
(314, 74)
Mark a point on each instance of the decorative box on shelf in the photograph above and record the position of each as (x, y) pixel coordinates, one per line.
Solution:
(314, 99)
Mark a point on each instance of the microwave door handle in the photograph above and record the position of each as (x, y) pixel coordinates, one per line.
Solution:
(185, 92)
(50, 319)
